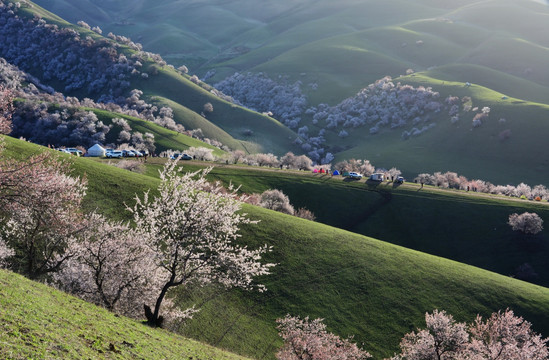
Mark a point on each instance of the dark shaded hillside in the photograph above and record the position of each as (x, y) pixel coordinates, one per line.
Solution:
(466, 227)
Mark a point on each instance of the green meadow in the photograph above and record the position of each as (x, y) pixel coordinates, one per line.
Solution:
(362, 286)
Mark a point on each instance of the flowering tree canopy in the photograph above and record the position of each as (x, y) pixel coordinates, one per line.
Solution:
(110, 266)
(506, 336)
(193, 233)
(40, 204)
(6, 108)
(309, 340)
(442, 339)
(503, 336)
(528, 223)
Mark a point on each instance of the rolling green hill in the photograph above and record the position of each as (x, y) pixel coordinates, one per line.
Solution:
(39, 322)
(362, 286)
(164, 139)
(499, 46)
(227, 123)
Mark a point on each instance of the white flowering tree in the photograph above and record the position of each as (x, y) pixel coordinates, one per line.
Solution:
(110, 267)
(527, 223)
(40, 207)
(192, 234)
(308, 339)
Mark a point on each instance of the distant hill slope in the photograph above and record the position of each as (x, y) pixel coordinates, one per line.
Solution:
(253, 35)
(335, 50)
(38, 321)
(360, 285)
(228, 123)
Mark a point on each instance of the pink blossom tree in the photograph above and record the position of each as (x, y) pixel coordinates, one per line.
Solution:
(527, 223)
(503, 336)
(192, 234)
(506, 336)
(309, 340)
(41, 206)
(442, 339)
(110, 267)
(6, 108)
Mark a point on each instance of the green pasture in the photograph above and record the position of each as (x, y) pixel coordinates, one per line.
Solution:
(39, 322)
(362, 286)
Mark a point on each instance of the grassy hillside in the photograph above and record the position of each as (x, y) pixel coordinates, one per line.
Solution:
(466, 227)
(499, 46)
(474, 152)
(39, 322)
(226, 123)
(164, 139)
(360, 285)
(171, 88)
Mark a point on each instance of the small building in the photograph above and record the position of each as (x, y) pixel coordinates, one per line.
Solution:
(97, 151)
(377, 177)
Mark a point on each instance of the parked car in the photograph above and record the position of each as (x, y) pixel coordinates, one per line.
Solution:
(74, 151)
(179, 156)
(128, 153)
(377, 177)
(354, 175)
(115, 154)
(137, 153)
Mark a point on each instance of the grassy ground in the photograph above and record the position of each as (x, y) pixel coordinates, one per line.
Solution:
(466, 227)
(362, 286)
(38, 322)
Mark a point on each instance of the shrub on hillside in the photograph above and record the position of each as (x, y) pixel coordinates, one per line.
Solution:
(276, 200)
(305, 214)
(130, 165)
(527, 223)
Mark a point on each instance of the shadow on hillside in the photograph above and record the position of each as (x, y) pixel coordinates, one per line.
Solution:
(372, 184)
(348, 179)
(396, 184)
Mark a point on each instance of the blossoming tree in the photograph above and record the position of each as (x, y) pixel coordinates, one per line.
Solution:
(308, 340)
(192, 234)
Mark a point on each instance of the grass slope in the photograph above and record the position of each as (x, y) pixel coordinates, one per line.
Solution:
(39, 322)
(474, 152)
(164, 139)
(466, 227)
(360, 285)
(499, 45)
(226, 124)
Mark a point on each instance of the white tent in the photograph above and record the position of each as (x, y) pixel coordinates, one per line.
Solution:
(96, 150)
